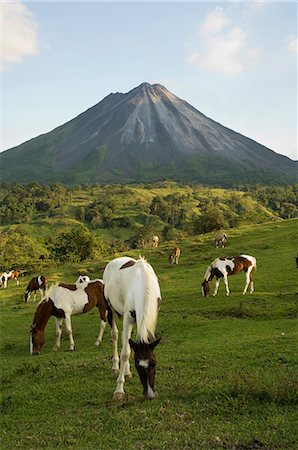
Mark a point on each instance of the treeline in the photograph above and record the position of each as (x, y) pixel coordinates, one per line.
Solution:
(127, 217)
(19, 203)
(282, 200)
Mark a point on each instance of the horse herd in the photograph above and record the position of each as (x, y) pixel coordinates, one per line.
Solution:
(129, 289)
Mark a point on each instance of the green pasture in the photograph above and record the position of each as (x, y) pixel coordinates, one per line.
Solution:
(227, 366)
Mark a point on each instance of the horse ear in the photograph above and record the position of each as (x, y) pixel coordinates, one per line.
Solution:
(154, 344)
(132, 344)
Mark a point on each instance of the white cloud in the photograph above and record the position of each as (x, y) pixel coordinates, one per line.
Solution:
(214, 22)
(292, 44)
(19, 33)
(225, 52)
(222, 48)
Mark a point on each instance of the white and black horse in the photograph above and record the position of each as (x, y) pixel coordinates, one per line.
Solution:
(220, 239)
(132, 291)
(82, 279)
(36, 284)
(223, 267)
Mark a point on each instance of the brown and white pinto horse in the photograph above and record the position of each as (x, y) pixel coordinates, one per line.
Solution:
(62, 301)
(174, 255)
(11, 275)
(223, 267)
(155, 241)
(36, 284)
(132, 291)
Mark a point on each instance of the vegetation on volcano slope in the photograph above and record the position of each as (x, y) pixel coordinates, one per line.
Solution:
(43, 225)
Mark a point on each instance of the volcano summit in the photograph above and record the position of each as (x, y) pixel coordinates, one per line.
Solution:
(145, 135)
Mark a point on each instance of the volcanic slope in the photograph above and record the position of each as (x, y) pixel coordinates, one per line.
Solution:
(147, 134)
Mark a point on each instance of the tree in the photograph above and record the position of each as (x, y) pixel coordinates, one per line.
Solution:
(75, 245)
(210, 221)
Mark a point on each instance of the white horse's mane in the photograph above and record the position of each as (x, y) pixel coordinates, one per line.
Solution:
(147, 312)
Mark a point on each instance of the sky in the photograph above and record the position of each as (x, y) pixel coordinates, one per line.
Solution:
(234, 61)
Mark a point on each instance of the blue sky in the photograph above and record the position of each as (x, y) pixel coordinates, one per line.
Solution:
(235, 61)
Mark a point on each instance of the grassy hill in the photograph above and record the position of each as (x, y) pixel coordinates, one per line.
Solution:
(115, 215)
(227, 366)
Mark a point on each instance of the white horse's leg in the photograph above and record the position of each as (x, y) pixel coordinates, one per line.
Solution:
(69, 331)
(41, 293)
(248, 281)
(125, 354)
(103, 325)
(114, 335)
(216, 286)
(59, 322)
(227, 284)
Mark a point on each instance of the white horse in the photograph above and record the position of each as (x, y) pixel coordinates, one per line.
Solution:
(222, 267)
(132, 291)
(62, 301)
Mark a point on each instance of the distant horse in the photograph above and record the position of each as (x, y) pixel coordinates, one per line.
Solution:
(62, 301)
(11, 275)
(82, 279)
(155, 241)
(36, 284)
(220, 240)
(222, 267)
(174, 255)
(132, 291)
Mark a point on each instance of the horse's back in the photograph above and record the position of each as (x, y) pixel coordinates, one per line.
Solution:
(70, 298)
(124, 281)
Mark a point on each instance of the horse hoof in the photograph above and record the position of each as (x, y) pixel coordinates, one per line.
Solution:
(97, 344)
(128, 376)
(116, 371)
(118, 395)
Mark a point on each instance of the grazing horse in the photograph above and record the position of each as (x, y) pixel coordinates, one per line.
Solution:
(155, 241)
(82, 279)
(220, 240)
(174, 255)
(132, 291)
(62, 301)
(36, 284)
(222, 267)
(11, 275)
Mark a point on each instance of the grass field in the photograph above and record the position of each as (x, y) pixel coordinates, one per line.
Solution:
(227, 366)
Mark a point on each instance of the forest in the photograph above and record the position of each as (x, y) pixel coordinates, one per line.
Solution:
(44, 225)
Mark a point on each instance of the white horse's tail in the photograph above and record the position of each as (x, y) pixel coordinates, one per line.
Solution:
(147, 307)
(253, 260)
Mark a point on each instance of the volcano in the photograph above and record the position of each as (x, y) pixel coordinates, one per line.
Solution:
(145, 135)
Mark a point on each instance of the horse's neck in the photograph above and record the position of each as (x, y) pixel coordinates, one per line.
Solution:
(43, 312)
